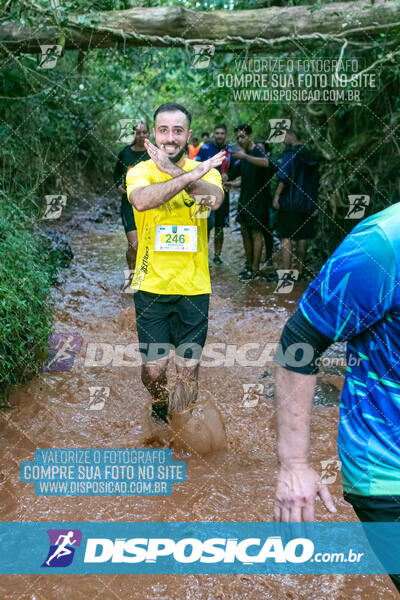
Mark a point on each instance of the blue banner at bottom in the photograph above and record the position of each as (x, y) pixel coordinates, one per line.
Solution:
(199, 548)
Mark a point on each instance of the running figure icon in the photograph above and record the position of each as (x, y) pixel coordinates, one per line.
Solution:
(62, 549)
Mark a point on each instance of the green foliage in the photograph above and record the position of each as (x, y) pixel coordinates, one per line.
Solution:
(25, 314)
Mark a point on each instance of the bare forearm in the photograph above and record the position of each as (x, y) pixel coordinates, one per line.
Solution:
(213, 195)
(201, 188)
(257, 160)
(279, 189)
(152, 196)
(294, 395)
(235, 182)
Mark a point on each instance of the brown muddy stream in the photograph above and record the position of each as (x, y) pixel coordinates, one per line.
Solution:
(234, 485)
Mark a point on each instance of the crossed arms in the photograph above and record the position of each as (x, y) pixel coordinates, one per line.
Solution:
(152, 196)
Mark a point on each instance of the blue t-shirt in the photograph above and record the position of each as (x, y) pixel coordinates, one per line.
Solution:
(356, 298)
(299, 171)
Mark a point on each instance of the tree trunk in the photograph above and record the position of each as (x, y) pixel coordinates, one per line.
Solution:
(175, 26)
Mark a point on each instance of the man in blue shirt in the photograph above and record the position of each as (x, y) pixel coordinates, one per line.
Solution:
(296, 200)
(354, 298)
(220, 217)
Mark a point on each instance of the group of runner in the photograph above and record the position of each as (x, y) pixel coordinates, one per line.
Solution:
(355, 298)
(249, 166)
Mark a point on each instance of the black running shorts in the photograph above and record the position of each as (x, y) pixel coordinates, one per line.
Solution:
(384, 509)
(165, 322)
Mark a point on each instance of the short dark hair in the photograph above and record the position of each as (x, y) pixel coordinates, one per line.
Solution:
(205, 133)
(266, 145)
(172, 106)
(195, 139)
(244, 127)
(221, 126)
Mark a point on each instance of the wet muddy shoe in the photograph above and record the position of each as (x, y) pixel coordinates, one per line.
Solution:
(217, 260)
(159, 412)
(259, 275)
(244, 271)
(246, 275)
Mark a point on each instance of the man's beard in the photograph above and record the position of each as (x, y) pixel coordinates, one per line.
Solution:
(178, 157)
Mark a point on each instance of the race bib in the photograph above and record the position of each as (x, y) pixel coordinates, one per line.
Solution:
(176, 238)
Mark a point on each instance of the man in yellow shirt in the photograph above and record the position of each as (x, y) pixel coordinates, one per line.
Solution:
(171, 197)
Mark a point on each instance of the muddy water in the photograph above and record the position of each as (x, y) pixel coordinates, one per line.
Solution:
(234, 485)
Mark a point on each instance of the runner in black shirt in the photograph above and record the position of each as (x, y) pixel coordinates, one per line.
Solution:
(256, 171)
(129, 157)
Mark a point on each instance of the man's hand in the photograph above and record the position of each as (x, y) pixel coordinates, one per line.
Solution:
(298, 486)
(275, 203)
(209, 164)
(239, 154)
(161, 159)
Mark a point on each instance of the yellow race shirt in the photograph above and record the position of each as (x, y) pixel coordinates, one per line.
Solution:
(172, 254)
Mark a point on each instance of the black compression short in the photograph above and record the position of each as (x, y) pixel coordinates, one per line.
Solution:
(165, 321)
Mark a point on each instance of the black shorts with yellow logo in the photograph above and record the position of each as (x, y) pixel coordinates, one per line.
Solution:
(166, 322)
